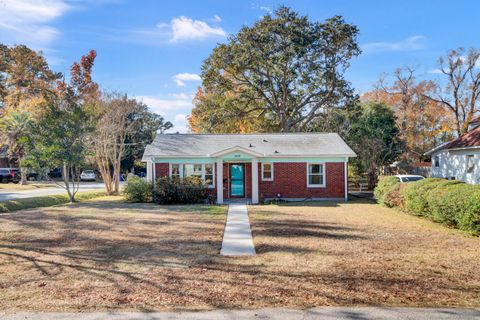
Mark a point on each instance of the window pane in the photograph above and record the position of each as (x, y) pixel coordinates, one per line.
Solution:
(267, 175)
(315, 179)
(314, 168)
(470, 164)
(209, 179)
(197, 169)
(208, 169)
(187, 170)
(267, 167)
(175, 169)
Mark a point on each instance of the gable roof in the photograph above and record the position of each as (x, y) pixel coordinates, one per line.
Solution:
(260, 144)
(470, 140)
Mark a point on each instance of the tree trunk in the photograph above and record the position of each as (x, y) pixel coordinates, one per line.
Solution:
(372, 179)
(23, 175)
(66, 180)
(116, 177)
(105, 173)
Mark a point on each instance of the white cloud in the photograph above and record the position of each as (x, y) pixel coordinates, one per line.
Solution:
(410, 44)
(164, 106)
(216, 18)
(184, 28)
(27, 21)
(180, 123)
(179, 29)
(435, 71)
(267, 9)
(175, 108)
(181, 78)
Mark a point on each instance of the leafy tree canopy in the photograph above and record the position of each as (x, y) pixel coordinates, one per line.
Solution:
(284, 71)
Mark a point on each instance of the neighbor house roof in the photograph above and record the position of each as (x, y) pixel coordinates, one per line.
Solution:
(264, 144)
(470, 140)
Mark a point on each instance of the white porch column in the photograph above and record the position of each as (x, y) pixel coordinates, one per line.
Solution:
(149, 170)
(254, 180)
(219, 181)
(345, 169)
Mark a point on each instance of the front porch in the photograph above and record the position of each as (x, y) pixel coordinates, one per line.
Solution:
(237, 175)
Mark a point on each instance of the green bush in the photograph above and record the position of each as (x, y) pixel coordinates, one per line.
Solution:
(415, 194)
(455, 205)
(450, 202)
(138, 190)
(384, 186)
(180, 191)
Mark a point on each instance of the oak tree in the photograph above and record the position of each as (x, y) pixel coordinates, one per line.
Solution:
(285, 68)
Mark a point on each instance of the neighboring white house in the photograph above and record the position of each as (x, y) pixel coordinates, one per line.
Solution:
(459, 159)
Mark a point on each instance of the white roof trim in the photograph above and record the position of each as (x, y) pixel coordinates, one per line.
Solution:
(464, 148)
(437, 148)
(235, 149)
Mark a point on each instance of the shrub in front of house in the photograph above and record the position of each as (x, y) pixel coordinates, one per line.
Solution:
(453, 203)
(394, 196)
(180, 190)
(138, 190)
(456, 205)
(415, 198)
(384, 186)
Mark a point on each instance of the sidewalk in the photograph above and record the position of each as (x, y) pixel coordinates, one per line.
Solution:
(325, 313)
(237, 237)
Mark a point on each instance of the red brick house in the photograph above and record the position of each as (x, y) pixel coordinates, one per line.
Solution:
(255, 167)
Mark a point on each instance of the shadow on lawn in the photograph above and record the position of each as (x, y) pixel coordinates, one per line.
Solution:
(160, 253)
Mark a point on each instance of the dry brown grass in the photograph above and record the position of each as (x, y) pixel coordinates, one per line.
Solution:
(364, 254)
(103, 254)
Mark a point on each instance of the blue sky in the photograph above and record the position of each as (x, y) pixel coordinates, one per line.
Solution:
(153, 50)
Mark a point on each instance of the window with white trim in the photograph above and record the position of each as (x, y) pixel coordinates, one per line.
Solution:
(315, 175)
(436, 161)
(267, 171)
(208, 178)
(202, 170)
(192, 170)
(175, 171)
(470, 163)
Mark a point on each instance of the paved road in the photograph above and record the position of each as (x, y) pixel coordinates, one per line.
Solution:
(326, 313)
(15, 194)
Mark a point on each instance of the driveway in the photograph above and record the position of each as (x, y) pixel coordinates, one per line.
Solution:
(6, 194)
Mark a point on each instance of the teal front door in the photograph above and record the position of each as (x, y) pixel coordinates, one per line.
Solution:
(237, 180)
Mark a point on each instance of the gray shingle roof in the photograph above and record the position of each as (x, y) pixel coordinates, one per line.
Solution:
(266, 144)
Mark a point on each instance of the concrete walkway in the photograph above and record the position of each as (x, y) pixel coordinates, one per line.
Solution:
(237, 237)
(325, 313)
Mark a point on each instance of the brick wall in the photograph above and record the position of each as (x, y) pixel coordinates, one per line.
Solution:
(290, 180)
(162, 170)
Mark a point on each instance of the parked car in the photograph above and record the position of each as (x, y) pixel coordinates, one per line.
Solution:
(32, 175)
(9, 175)
(408, 177)
(55, 173)
(88, 175)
